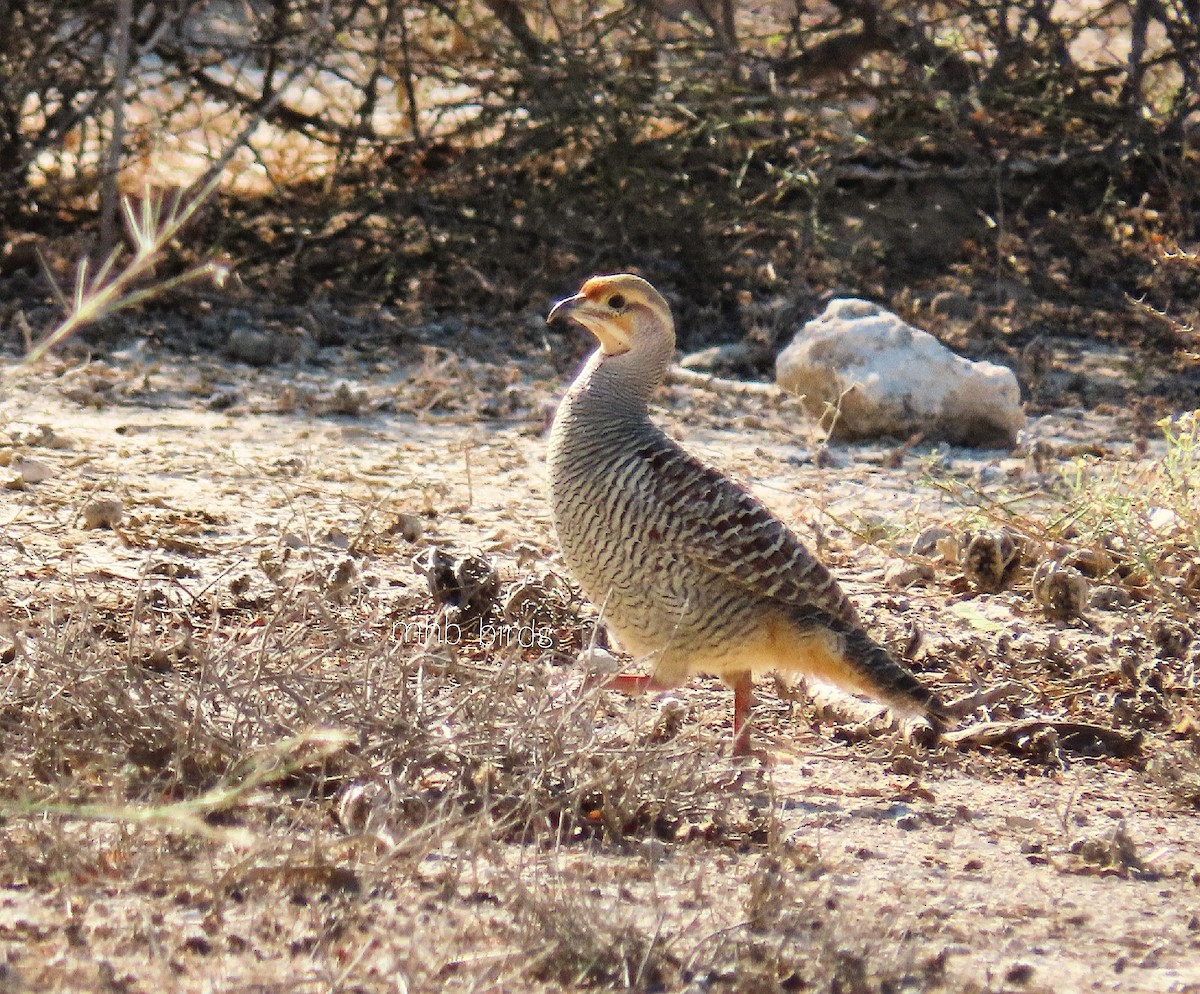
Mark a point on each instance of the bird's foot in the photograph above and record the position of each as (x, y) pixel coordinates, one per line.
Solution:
(625, 683)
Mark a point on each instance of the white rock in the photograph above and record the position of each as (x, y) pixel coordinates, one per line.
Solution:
(897, 380)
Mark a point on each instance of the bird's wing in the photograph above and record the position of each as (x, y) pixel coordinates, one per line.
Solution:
(722, 527)
(718, 526)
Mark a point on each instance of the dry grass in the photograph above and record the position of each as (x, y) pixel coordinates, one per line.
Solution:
(279, 786)
(225, 756)
(1129, 523)
(173, 696)
(258, 781)
(120, 281)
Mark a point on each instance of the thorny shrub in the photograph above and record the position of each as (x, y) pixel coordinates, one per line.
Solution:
(469, 153)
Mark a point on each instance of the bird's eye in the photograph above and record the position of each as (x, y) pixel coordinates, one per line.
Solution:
(616, 302)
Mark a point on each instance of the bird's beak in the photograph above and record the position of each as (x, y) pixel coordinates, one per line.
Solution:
(565, 307)
(614, 335)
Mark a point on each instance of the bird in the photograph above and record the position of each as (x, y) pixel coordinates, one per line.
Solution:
(691, 573)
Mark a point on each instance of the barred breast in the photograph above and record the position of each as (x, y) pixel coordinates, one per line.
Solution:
(690, 571)
(683, 563)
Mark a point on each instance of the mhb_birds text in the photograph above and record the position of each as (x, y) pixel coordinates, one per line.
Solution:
(502, 636)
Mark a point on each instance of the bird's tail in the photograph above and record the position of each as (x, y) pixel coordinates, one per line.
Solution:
(848, 657)
(886, 678)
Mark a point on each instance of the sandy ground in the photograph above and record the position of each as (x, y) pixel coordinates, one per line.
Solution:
(1038, 865)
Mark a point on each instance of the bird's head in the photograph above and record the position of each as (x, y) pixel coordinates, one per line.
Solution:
(624, 312)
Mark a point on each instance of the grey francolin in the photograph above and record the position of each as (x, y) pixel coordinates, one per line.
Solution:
(690, 571)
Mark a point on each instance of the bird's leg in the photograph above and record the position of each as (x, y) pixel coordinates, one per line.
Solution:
(743, 700)
(626, 683)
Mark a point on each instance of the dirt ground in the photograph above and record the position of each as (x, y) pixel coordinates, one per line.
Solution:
(241, 751)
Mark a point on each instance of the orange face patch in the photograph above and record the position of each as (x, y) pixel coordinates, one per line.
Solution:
(623, 323)
(614, 330)
(598, 287)
(615, 333)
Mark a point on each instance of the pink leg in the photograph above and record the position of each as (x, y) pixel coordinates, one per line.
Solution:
(631, 683)
(625, 683)
(743, 700)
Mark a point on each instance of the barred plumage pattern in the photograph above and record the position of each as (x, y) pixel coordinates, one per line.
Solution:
(688, 568)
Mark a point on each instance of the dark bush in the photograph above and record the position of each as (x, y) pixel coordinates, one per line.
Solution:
(458, 153)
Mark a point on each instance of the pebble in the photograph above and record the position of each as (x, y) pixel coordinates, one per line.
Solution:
(901, 573)
(1110, 598)
(599, 662)
(1060, 591)
(936, 539)
(29, 471)
(103, 512)
(990, 559)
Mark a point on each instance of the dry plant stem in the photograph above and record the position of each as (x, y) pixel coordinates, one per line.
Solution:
(270, 766)
(116, 144)
(990, 733)
(971, 703)
(845, 708)
(108, 292)
(678, 376)
(743, 702)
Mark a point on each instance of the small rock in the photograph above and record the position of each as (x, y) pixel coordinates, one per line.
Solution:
(598, 663)
(344, 398)
(873, 526)
(989, 474)
(1173, 638)
(265, 347)
(337, 538)
(734, 358)
(653, 850)
(103, 512)
(41, 436)
(29, 472)
(537, 601)
(467, 585)
(954, 305)
(1164, 521)
(891, 379)
(936, 539)
(273, 564)
(410, 527)
(901, 573)
(223, 398)
(362, 807)
(1110, 598)
(673, 711)
(341, 577)
(1091, 562)
(1003, 291)
(252, 346)
(826, 458)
